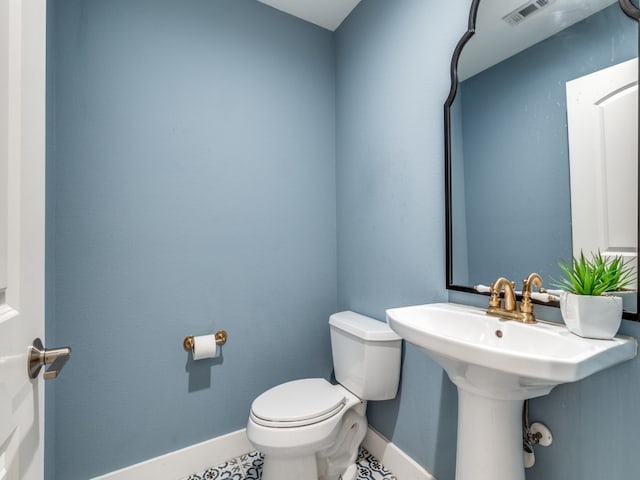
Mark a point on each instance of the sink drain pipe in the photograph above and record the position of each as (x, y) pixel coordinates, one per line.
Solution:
(533, 434)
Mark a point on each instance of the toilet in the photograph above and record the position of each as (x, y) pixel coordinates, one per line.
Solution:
(310, 429)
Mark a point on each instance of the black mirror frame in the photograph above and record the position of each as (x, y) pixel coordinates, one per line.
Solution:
(630, 10)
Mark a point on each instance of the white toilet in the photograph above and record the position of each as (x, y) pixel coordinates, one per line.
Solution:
(310, 429)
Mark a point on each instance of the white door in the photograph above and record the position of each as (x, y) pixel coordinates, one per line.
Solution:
(22, 142)
(602, 115)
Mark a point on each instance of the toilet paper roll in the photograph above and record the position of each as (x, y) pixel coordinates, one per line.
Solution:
(205, 346)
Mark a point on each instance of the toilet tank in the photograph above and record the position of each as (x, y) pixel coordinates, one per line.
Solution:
(366, 355)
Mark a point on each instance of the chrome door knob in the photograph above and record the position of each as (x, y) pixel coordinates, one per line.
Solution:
(39, 357)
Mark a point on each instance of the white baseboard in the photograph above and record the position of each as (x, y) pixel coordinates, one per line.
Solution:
(181, 463)
(199, 457)
(402, 465)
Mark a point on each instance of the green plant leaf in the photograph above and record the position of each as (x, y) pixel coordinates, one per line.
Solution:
(596, 275)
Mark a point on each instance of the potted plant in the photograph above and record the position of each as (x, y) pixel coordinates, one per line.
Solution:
(588, 307)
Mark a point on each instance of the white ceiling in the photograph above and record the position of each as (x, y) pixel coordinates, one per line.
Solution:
(328, 14)
(496, 40)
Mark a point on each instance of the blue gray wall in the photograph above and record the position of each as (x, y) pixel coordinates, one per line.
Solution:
(194, 177)
(50, 224)
(392, 67)
(520, 143)
(460, 273)
(595, 425)
(392, 64)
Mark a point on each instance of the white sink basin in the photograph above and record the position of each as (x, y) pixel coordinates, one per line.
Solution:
(497, 364)
(539, 356)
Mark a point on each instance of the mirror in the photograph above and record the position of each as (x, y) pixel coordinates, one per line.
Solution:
(508, 174)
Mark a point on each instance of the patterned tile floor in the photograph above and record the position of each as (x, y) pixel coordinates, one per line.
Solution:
(249, 467)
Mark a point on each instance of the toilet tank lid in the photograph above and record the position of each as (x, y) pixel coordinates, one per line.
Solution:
(363, 327)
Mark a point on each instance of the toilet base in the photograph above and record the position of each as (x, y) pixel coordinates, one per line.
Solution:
(331, 457)
(338, 462)
(350, 473)
(299, 468)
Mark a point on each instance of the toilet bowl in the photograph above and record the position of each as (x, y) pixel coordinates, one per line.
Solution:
(310, 429)
(321, 416)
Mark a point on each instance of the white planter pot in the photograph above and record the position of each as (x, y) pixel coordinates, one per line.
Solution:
(629, 299)
(591, 316)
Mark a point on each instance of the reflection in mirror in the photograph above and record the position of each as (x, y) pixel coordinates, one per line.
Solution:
(602, 115)
(510, 177)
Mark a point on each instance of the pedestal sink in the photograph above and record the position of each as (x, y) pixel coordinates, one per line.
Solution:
(497, 364)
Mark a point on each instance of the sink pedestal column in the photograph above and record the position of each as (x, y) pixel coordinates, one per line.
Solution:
(489, 438)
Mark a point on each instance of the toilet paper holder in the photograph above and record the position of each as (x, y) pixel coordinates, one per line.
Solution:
(221, 339)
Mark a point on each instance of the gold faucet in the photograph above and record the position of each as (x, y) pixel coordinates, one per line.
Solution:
(510, 309)
(509, 295)
(526, 306)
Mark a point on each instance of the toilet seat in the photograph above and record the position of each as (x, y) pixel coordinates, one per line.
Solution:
(298, 403)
